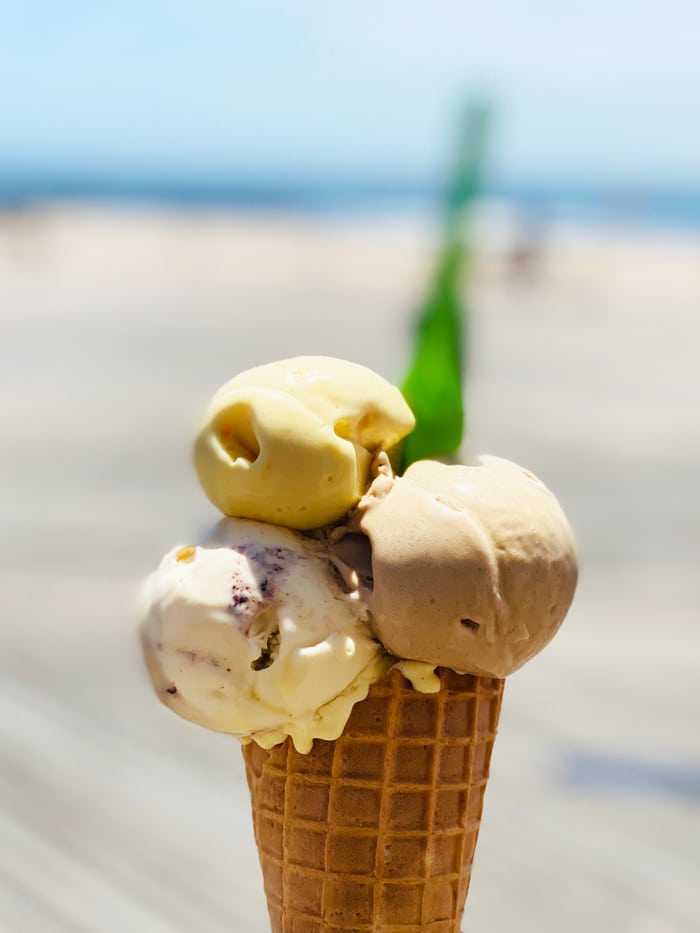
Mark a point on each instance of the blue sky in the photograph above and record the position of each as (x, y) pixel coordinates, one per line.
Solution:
(600, 91)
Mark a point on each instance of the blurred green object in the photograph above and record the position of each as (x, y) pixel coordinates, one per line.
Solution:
(433, 386)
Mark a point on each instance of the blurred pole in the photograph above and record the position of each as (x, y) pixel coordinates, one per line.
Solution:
(433, 385)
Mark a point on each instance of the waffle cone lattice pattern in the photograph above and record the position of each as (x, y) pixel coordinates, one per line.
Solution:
(376, 831)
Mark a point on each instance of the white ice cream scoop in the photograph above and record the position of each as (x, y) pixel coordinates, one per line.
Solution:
(253, 633)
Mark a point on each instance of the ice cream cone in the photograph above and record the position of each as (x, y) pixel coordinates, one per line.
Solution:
(376, 831)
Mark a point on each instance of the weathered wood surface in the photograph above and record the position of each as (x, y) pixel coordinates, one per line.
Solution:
(115, 816)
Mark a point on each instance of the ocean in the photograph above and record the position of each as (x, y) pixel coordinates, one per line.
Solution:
(538, 203)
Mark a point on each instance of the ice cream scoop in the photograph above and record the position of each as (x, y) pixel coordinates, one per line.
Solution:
(467, 567)
(291, 443)
(254, 634)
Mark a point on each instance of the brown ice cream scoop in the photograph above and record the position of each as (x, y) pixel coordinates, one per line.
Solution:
(472, 567)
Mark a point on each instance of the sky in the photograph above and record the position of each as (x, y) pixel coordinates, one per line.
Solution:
(604, 91)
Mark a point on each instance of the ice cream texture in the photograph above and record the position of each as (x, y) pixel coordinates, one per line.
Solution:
(253, 634)
(467, 567)
(332, 567)
(291, 443)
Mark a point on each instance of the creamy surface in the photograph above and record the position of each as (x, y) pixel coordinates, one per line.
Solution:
(291, 443)
(472, 567)
(254, 634)
(264, 632)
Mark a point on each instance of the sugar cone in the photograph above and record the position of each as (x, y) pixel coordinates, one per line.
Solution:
(376, 831)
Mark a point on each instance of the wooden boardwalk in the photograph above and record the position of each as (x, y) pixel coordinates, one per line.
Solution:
(115, 816)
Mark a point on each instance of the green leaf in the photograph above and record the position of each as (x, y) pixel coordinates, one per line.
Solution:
(433, 385)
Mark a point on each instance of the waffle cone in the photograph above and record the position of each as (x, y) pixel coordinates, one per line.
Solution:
(376, 831)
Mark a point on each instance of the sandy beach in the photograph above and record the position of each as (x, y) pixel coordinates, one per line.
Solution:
(117, 325)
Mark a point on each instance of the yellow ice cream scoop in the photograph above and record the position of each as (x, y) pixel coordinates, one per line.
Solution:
(291, 443)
